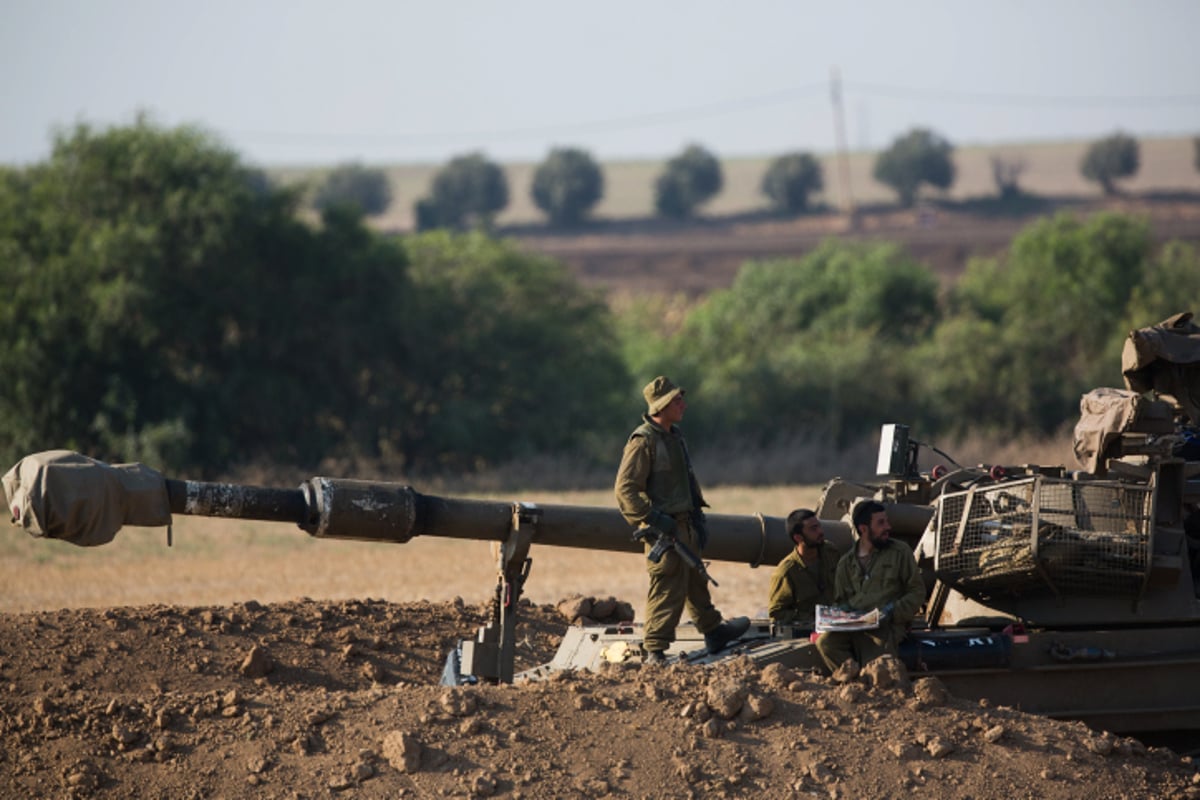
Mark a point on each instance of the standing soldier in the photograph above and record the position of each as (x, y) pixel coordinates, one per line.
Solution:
(655, 487)
(805, 577)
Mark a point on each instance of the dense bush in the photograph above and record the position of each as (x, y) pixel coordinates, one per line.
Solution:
(567, 185)
(790, 179)
(1035, 329)
(511, 356)
(688, 181)
(792, 345)
(918, 157)
(1110, 159)
(353, 184)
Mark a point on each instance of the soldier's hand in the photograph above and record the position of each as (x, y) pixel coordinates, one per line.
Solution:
(663, 523)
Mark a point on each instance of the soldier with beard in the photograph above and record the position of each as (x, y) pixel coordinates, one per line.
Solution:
(805, 577)
(876, 573)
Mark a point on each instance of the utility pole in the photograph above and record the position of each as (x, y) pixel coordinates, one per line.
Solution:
(839, 132)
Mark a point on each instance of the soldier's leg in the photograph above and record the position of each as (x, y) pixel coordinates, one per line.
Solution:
(664, 601)
(699, 601)
(835, 648)
(873, 644)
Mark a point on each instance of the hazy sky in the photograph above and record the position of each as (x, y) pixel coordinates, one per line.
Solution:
(301, 82)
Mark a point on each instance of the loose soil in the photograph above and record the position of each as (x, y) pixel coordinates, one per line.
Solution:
(309, 699)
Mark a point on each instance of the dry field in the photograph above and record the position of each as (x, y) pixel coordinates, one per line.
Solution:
(221, 562)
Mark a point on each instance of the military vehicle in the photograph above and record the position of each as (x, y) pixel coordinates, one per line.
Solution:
(1067, 593)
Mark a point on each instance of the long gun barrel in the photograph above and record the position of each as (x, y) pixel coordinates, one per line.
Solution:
(337, 508)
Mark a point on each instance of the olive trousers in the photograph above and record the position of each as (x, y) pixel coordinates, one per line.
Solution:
(836, 647)
(674, 586)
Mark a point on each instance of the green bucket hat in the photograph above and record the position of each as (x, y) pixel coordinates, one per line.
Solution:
(659, 392)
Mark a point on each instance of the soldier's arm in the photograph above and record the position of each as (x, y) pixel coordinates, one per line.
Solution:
(632, 477)
(782, 601)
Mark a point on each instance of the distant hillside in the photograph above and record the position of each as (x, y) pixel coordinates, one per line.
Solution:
(1167, 165)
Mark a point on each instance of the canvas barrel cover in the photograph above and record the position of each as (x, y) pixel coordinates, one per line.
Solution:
(1165, 358)
(1104, 414)
(60, 494)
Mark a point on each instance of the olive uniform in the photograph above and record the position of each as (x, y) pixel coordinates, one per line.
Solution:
(654, 477)
(797, 587)
(891, 576)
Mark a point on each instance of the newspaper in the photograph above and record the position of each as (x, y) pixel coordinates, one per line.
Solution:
(831, 618)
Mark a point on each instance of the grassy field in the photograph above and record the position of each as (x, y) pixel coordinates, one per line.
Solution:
(1167, 165)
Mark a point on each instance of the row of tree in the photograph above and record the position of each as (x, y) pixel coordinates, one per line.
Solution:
(166, 304)
(470, 190)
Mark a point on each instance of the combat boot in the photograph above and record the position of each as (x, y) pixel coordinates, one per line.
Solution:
(716, 639)
(654, 657)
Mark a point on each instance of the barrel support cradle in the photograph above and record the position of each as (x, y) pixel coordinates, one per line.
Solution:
(489, 656)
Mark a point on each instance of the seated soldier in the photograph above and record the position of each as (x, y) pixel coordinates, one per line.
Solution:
(805, 577)
(878, 572)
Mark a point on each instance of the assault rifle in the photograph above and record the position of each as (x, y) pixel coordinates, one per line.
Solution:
(662, 543)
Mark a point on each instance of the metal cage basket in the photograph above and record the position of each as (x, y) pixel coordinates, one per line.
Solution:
(1071, 537)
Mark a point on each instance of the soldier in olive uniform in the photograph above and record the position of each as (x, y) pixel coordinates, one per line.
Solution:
(805, 577)
(655, 487)
(878, 572)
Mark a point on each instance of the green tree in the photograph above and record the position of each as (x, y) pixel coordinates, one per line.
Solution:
(792, 345)
(790, 179)
(156, 288)
(1038, 327)
(1170, 284)
(512, 356)
(689, 180)
(469, 191)
(918, 157)
(1110, 159)
(366, 188)
(567, 185)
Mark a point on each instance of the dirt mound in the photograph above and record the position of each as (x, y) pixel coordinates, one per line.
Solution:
(310, 699)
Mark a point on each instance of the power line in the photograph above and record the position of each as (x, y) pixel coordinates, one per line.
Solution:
(1034, 100)
(592, 126)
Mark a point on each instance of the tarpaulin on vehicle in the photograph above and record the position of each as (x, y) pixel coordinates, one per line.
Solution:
(1165, 358)
(1104, 414)
(60, 494)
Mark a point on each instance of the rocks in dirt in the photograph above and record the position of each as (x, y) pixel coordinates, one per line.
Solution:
(757, 706)
(778, 677)
(886, 672)
(929, 692)
(83, 777)
(580, 610)
(257, 663)
(937, 747)
(848, 671)
(482, 784)
(725, 696)
(403, 751)
(458, 702)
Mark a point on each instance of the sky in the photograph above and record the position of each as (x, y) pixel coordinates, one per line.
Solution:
(303, 83)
